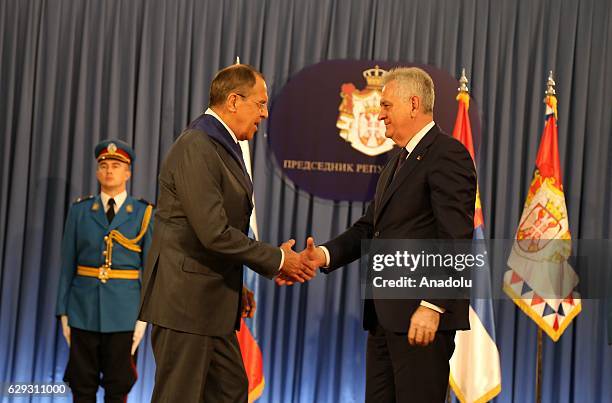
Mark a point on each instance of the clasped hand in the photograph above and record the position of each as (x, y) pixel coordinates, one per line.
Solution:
(300, 266)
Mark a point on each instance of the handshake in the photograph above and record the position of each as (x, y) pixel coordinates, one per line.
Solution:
(300, 267)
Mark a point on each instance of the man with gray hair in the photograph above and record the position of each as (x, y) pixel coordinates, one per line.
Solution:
(426, 191)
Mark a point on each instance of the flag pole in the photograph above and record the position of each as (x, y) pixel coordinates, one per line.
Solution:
(463, 88)
(538, 392)
(550, 91)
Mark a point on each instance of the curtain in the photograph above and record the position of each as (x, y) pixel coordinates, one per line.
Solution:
(75, 72)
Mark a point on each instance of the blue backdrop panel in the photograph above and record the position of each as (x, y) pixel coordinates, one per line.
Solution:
(75, 72)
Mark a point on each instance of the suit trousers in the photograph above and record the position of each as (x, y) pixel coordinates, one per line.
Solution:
(195, 368)
(397, 372)
(95, 353)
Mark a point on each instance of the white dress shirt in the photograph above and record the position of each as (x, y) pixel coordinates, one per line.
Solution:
(119, 200)
(416, 139)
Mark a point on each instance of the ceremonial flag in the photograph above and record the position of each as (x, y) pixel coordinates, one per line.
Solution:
(540, 280)
(475, 374)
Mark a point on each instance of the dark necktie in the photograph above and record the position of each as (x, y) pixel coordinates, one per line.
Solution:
(402, 158)
(110, 213)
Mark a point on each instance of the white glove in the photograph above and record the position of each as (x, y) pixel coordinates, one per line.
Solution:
(139, 331)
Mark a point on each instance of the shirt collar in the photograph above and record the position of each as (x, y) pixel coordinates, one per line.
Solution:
(414, 141)
(119, 199)
(212, 113)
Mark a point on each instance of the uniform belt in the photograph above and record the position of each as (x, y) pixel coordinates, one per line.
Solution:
(104, 273)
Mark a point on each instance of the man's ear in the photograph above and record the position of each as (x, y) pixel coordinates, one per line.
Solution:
(415, 104)
(230, 102)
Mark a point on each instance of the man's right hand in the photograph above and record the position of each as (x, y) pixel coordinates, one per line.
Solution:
(294, 269)
(65, 328)
(313, 257)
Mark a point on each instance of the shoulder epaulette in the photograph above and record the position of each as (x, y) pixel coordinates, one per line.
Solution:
(145, 201)
(83, 198)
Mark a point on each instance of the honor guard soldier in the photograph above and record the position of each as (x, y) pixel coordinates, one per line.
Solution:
(106, 239)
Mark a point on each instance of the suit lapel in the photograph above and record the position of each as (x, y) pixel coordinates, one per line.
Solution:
(236, 170)
(415, 158)
(123, 214)
(97, 212)
(232, 155)
(384, 181)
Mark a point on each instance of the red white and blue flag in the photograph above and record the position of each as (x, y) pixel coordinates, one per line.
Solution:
(475, 374)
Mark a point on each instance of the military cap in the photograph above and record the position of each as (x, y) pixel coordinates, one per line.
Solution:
(113, 149)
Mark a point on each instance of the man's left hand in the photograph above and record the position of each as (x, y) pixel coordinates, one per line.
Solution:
(139, 331)
(423, 326)
(248, 303)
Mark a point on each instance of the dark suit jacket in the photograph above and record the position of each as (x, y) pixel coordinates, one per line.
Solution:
(432, 197)
(193, 276)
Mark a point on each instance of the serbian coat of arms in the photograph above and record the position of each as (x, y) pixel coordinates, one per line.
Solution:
(358, 120)
(544, 220)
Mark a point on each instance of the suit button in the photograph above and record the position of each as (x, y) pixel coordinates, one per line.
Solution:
(376, 234)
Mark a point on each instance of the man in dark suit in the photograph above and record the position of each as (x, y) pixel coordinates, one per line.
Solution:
(192, 289)
(427, 191)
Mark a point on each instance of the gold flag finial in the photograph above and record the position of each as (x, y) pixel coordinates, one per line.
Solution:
(551, 95)
(550, 85)
(237, 59)
(463, 81)
(464, 93)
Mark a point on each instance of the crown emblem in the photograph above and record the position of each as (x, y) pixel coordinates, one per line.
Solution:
(112, 148)
(374, 77)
